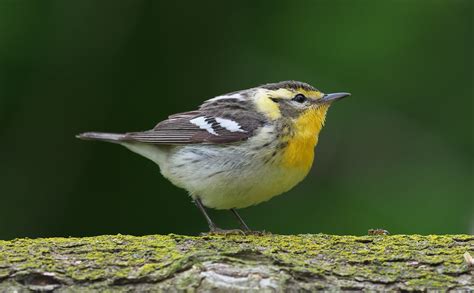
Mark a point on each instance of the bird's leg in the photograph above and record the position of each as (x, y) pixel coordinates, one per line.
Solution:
(212, 226)
(246, 230)
(244, 226)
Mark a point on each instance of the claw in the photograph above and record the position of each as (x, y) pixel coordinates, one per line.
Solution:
(223, 232)
(219, 231)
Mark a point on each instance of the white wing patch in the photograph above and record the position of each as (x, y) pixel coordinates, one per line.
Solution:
(203, 124)
(223, 97)
(230, 125)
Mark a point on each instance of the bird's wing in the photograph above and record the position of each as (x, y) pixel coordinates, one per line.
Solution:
(214, 123)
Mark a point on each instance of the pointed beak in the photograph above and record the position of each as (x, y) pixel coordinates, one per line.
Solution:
(329, 98)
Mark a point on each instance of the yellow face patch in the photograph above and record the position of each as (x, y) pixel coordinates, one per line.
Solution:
(270, 108)
(310, 94)
(266, 105)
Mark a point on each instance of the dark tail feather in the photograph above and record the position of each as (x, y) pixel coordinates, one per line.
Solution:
(102, 136)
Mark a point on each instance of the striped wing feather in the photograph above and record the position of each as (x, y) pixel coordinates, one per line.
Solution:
(178, 129)
(230, 118)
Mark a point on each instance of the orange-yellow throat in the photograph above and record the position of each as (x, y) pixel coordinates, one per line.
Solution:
(299, 153)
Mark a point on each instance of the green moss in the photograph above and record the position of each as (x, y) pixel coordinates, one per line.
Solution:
(412, 261)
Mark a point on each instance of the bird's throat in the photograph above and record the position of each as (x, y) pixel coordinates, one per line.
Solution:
(299, 153)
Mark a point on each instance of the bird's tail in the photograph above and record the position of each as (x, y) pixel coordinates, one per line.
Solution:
(102, 136)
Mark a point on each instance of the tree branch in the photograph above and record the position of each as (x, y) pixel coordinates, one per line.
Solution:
(275, 262)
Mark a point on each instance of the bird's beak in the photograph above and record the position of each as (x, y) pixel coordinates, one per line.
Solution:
(329, 98)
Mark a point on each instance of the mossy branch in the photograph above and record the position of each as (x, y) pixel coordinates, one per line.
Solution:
(274, 262)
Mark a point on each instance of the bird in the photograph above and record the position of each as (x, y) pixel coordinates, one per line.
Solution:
(237, 149)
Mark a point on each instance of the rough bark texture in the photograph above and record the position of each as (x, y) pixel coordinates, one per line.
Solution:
(272, 262)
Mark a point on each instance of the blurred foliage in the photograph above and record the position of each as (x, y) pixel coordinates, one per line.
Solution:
(396, 155)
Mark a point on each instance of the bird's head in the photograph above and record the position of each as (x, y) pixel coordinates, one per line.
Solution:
(297, 101)
(299, 111)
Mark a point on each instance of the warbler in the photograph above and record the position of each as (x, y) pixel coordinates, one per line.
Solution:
(237, 149)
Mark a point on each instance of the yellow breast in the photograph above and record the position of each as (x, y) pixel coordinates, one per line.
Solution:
(299, 153)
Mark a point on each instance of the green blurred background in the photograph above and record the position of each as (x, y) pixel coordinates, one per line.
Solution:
(396, 155)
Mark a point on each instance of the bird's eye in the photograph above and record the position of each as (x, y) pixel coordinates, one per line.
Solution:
(300, 98)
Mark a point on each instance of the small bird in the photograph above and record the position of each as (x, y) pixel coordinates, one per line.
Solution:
(237, 149)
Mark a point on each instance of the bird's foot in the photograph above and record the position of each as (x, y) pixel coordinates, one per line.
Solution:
(373, 232)
(219, 231)
(258, 233)
(224, 232)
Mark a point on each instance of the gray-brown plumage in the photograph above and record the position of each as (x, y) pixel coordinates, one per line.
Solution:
(179, 129)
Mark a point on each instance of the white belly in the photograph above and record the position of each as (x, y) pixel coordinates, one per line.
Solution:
(225, 176)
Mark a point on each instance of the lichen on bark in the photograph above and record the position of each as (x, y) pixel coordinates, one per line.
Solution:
(273, 262)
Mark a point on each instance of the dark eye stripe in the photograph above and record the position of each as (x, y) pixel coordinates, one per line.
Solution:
(300, 98)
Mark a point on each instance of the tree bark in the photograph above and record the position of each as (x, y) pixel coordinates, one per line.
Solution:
(235, 262)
